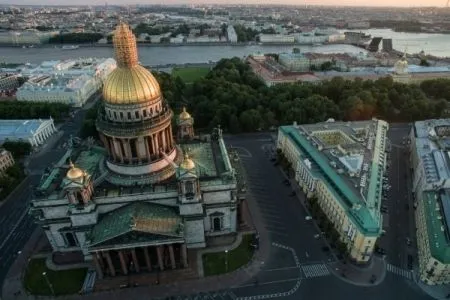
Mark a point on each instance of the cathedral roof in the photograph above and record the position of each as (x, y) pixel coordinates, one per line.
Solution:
(131, 85)
(150, 218)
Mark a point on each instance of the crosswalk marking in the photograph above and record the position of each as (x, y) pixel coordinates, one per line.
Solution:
(228, 295)
(315, 270)
(399, 271)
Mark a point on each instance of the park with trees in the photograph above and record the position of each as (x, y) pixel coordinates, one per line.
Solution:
(33, 110)
(232, 96)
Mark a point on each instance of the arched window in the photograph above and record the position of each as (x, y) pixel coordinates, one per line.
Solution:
(70, 239)
(190, 189)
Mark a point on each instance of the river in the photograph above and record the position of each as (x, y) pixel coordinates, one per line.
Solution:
(435, 44)
(151, 56)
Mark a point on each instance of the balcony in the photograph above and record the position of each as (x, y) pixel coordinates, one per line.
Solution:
(132, 128)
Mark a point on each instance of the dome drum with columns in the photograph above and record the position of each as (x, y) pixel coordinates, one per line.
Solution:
(144, 196)
(135, 122)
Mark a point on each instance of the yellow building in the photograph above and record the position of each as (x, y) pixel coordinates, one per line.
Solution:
(341, 164)
(430, 149)
(6, 160)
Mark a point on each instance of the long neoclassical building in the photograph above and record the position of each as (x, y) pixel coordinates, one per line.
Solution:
(142, 200)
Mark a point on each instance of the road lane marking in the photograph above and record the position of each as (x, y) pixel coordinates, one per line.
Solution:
(267, 217)
(277, 233)
(272, 221)
(276, 228)
(270, 282)
(246, 152)
(13, 229)
(280, 269)
(268, 204)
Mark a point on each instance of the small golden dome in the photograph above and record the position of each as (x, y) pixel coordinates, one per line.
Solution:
(184, 115)
(187, 164)
(130, 85)
(74, 172)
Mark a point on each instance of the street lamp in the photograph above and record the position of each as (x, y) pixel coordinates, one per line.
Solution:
(226, 261)
(48, 283)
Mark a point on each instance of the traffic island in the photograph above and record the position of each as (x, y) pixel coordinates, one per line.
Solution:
(39, 280)
(226, 260)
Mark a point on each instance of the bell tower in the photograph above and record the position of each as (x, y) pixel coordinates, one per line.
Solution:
(185, 125)
(78, 186)
(188, 184)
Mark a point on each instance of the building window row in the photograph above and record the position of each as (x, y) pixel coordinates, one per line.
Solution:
(138, 114)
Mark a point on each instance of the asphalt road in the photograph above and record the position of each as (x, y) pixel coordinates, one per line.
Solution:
(400, 206)
(16, 225)
(285, 221)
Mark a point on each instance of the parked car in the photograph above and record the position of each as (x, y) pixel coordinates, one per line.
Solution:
(380, 250)
(410, 262)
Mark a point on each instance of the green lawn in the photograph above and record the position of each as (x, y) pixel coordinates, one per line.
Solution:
(215, 263)
(190, 74)
(63, 282)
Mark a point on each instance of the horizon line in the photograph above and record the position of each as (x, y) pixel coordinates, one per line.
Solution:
(223, 5)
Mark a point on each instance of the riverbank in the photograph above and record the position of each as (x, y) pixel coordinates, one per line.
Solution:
(204, 44)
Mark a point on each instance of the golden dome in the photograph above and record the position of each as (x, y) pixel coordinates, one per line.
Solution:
(130, 85)
(187, 164)
(184, 115)
(74, 172)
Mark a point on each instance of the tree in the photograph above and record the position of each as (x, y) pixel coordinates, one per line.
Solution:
(250, 120)
(424, 62)
(33, 110)
(326, 66)
(18, 149)
(234, 97)
(75, 38)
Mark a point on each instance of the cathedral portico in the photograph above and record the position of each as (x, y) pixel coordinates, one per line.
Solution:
(113, 262)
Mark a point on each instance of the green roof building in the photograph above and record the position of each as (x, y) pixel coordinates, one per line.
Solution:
(341, 166)
(430, 161)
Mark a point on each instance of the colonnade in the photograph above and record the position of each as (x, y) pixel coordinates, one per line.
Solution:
(40, 137)
(141, 149)
(131, 260)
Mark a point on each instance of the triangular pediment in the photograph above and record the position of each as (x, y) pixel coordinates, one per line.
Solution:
(135, 237)
(152, 220)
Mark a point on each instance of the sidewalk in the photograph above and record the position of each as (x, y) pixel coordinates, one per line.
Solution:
(367, 276)
(435, 291)
(12, 285)
(370, 275)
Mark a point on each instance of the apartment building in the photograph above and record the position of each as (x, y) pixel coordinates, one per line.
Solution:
(6, 160)
(341, 164)
(430, 163)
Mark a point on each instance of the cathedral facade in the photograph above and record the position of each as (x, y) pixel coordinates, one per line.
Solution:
(148, 195)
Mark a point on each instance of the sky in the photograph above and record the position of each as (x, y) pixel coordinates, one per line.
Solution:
(398, 3)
